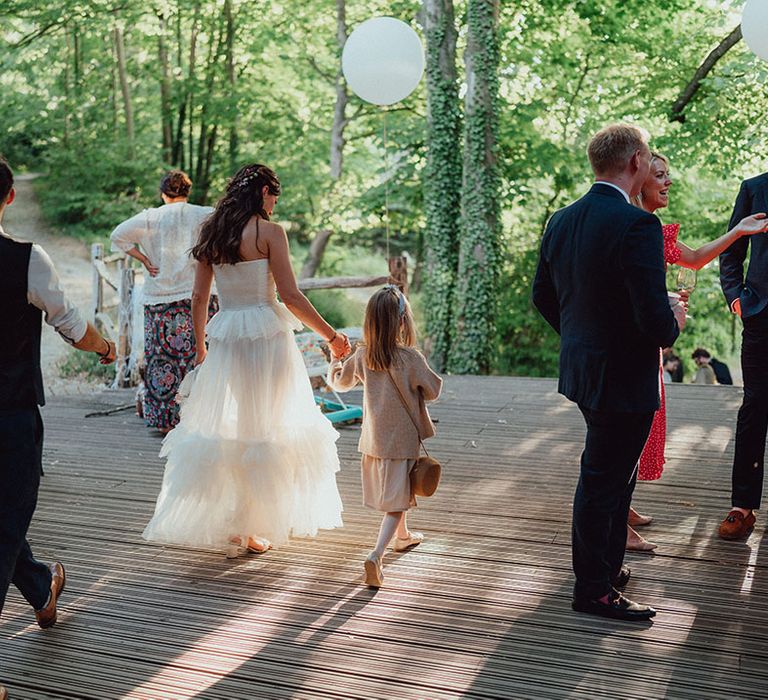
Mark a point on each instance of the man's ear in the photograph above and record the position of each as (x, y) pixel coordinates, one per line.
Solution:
(634, 161)
(11, 196)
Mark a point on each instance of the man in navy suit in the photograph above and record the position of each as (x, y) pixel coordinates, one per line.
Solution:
(601, 285)
(748, 298)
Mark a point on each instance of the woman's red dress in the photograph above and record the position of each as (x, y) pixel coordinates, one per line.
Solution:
(652, 458)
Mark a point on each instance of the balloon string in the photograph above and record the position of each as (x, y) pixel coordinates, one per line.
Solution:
(386, 183)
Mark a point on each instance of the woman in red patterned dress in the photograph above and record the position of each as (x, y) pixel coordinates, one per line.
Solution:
(654, 196)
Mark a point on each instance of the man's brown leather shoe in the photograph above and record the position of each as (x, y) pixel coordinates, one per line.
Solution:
(736, 525)
(47, 616)
(3, 693)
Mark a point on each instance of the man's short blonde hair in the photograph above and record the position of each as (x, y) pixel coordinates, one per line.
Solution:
(611, 148)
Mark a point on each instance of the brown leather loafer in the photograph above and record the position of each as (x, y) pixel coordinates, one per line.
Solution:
(3, 693)
(47, 616)
(736, 525)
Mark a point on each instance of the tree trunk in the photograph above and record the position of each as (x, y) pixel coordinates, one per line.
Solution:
(442, 177)
(124, 87)
(342, 97)
(207, 137)
(677, 113)
(315, 255)
(234, 141)
(165, 92)
(479, 251)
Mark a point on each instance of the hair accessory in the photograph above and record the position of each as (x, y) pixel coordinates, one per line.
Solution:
(400, 298)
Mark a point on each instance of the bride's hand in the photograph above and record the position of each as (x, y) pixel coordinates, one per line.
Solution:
(200, 356)
(340, 346)
(757, 223)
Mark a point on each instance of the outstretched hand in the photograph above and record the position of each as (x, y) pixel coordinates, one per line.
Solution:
(340, 346)
(757, 223)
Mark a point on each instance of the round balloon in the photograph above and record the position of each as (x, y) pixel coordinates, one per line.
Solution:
(754, 26)
(383, 60)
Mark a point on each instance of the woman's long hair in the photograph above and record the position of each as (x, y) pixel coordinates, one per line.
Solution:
(222, 232)
(388, 324)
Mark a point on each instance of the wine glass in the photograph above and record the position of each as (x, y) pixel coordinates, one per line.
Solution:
(686, 280)
(686, 283)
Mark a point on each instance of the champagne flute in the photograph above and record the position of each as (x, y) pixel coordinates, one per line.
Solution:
(686, 280)
(686, 283)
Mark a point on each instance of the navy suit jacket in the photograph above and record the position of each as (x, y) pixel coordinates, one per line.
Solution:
(752, 291)
(601, 285)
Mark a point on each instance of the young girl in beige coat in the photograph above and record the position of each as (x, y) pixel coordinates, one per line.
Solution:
(389, 442)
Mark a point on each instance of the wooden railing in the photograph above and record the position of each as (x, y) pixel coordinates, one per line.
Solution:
(114, 282)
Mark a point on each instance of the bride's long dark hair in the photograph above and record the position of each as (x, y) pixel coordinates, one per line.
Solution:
(222, 231)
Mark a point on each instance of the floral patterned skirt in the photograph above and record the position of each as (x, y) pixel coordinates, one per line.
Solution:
(169, 353)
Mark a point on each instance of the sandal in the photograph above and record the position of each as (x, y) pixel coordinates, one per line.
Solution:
(374, 576)
(402, 544)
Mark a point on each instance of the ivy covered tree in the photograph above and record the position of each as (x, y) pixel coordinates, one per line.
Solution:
(476, 293)
(442, 178)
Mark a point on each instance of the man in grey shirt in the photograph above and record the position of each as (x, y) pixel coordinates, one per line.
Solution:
(29, 289)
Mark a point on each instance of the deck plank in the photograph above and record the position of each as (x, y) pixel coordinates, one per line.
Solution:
(480, 610)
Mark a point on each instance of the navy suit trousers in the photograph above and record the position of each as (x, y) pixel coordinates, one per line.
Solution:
(601, 505)
(749, 454)
(21, 450)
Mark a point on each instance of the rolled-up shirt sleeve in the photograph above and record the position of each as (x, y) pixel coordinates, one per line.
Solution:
(131, 232)
(44, 291)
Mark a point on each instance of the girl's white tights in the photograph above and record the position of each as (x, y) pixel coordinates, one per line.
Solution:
(393, 524)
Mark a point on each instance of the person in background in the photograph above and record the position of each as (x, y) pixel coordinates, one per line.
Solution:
(671, 364)
(723, 375)
(678, 371)
(161, 239)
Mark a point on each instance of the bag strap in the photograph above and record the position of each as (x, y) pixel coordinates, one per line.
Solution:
(407, 410)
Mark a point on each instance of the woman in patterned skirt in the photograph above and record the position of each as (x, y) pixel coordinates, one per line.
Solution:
(161, 239)
(654, 196)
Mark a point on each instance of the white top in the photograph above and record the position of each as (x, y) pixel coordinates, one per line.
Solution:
(615, 187)
(44, 291)
(166, 235)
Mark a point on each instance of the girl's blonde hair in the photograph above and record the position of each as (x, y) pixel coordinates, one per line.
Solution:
(637, 200)
(388, 324)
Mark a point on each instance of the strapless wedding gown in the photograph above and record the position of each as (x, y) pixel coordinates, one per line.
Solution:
(253, 455)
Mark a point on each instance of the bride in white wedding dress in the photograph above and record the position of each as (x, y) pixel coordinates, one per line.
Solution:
(253, 460)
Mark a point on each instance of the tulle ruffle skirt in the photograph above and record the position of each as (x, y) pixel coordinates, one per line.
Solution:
(253, 455)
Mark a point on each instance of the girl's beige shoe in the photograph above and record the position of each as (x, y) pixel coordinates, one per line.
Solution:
(403, 543)
(374, 576)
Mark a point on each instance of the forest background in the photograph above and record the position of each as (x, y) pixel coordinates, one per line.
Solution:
(104, 95)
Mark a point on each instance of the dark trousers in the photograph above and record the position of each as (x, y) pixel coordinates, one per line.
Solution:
(753, 415)
(601, 504)
(21, 451)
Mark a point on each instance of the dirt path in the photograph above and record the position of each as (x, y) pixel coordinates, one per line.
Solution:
(71, 257)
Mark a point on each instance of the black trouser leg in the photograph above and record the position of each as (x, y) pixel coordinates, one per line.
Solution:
(749, 454)
(608, 471)
(21, 444)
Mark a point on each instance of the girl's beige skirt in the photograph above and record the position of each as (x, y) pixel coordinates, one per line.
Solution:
(387, 483)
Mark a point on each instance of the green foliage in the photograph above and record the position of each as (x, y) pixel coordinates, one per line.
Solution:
(564, 68)
(338, 308)
(78, 365)
(442, 186)
(476, 292)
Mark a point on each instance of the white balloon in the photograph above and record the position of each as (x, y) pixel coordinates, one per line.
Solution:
(383, 60)
(754, 26)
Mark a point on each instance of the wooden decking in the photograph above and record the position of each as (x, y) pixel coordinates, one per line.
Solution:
(480, 610)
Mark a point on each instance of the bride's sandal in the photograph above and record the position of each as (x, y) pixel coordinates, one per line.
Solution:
(258, 545)
(255, 545)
